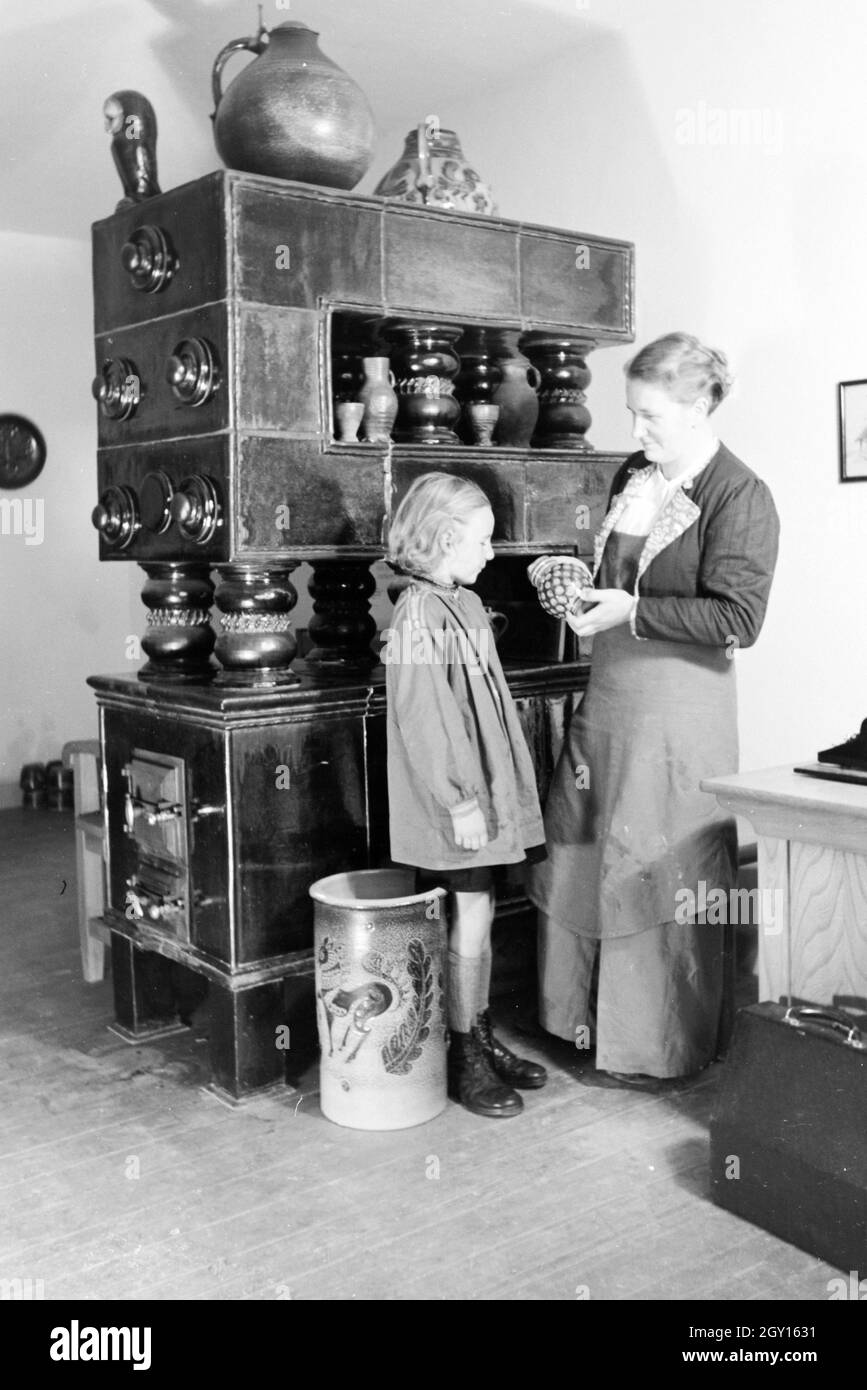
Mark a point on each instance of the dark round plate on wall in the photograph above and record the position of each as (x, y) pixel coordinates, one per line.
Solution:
(22, 451)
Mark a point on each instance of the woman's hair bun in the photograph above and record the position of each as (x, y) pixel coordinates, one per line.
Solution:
(684, 367)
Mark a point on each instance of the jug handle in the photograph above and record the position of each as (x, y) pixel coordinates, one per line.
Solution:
(255, 45)
(534, 372)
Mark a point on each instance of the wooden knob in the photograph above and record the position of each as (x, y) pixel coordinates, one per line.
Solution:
(192, 371)
(116, 516)
(131, 258)
(195, 507)
(181, 507)
(118, 389)
(175, 370)
(148, 259)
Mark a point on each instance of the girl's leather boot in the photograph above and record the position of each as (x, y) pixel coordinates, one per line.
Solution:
(473, 1082)
(515, 1071)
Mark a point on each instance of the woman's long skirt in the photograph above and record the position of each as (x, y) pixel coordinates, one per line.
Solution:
(634, 849)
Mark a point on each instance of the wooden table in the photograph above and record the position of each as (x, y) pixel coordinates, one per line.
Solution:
(812, 881)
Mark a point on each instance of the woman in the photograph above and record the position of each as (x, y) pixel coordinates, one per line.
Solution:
(683, 568)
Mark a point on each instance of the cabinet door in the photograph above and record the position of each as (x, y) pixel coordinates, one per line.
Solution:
(299, 810)
(167, 846)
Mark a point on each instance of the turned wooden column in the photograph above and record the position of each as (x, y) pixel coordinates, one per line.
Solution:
(179, 639)
(347, 353)
(342, 626)
(425, 363)
(256, 644)
(479, 375)
(563, 415)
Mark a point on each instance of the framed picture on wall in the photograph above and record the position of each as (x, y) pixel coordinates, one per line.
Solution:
(853, 431)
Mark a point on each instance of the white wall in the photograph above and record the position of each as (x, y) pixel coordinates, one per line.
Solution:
(756, 245)
(64, 615)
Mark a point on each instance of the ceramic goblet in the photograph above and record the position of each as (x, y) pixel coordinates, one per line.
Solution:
(482, 417)
(349, 415)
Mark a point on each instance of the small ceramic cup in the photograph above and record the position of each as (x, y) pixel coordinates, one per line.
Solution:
(349, 415)
(482, 417)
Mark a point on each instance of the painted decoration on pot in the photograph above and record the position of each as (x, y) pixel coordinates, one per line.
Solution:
(560, 581)
(348, 1012)
(433, 171)
(380, 1002)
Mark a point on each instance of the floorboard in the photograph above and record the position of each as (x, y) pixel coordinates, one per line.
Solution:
(121, 1177)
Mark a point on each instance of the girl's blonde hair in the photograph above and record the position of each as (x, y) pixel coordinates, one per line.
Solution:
(434, 502)
(683, 367)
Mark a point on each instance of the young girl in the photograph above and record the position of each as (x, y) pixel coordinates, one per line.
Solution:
(462, 792)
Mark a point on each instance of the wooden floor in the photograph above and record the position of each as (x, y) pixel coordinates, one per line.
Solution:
(121, 1178)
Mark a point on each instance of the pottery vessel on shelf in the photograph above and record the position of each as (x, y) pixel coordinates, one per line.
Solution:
(432, 171)
(482, 417)
(379, 399)
(516, 395)
(348, 417)
(292, 113)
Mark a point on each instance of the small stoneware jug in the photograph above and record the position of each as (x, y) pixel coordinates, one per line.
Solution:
(379, 399)
(293, 113)
(519, 404)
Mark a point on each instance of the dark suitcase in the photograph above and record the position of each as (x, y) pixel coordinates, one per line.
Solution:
(788, 1137)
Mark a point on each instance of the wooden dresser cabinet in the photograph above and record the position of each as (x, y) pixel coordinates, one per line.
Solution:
(228, 312)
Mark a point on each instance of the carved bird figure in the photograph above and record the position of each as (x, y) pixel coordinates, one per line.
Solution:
(132, 124)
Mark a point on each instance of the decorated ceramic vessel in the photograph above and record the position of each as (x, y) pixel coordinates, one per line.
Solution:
(380, 961)
(432, 171)
(559, 581)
